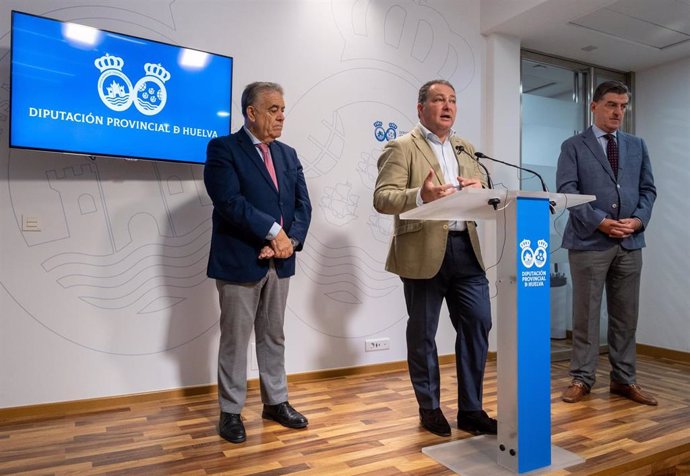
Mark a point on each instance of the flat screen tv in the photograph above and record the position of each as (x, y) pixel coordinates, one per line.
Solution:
(82, 90)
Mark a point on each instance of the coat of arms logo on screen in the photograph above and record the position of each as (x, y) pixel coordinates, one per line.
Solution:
(117, 93)
(530, 257)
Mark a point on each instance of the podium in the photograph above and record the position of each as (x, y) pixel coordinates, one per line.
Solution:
(523, 443)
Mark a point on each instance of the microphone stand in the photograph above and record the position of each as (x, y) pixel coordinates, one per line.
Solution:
(492, 201)
(460, 149)
(552, 204)
(479, 155)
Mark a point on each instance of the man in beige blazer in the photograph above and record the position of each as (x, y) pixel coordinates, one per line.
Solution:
(438, 260)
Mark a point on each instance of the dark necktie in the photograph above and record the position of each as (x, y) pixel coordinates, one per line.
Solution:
(266, 154)
(612, 153)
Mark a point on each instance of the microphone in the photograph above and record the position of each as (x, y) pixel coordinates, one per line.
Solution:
(552, 204)
(492, 201)
(460, 149)
(479, 155)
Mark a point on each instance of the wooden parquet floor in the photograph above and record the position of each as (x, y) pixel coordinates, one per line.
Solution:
(359, 425)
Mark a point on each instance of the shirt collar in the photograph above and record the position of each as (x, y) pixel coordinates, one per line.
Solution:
(255, 141)
(428, 135)
(598, 133)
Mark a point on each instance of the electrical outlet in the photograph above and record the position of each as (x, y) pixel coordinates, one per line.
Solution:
(383, 343)
(30, 223)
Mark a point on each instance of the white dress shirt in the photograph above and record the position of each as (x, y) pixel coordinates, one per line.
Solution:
(449, 166)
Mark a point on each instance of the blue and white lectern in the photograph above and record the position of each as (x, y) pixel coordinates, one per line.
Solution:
(523, 443)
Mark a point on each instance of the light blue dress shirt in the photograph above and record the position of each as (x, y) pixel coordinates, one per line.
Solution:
(603, 141)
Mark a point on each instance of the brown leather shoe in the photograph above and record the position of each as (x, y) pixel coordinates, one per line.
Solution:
(634, 392)
(575, 391)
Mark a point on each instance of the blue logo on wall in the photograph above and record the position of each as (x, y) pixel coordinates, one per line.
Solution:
(382, 134)
(115, 89)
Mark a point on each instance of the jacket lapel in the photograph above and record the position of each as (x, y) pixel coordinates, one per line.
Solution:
(255, 157)
(278, 163)
(622, 151)
(428, 154)
(593, 145)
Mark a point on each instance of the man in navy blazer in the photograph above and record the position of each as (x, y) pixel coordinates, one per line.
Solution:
(604, 239)
(261, 214)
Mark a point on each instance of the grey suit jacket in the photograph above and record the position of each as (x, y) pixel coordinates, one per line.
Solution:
(583, 168)
(418, 246)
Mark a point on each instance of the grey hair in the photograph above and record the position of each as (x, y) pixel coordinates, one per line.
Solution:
(251, 91)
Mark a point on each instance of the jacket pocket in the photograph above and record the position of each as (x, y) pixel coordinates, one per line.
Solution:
(408, 226)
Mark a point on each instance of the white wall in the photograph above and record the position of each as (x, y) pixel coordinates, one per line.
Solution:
(501, 140)
(344, 64)
(662, 118)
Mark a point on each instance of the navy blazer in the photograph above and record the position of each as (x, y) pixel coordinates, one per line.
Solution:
(246, 204)
(584, 168)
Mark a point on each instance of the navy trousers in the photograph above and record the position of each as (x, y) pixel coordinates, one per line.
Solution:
(462, 283)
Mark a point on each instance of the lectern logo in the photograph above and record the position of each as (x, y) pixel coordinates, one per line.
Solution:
(115, 89)
(530, 257)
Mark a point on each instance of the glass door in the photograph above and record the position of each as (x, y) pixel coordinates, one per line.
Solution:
(556, 94)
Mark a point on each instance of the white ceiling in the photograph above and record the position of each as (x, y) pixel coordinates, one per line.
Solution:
(627, 35)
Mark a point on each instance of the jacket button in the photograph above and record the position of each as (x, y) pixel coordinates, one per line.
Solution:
(445, 227)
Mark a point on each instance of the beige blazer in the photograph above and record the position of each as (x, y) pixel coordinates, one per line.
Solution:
(418, 246)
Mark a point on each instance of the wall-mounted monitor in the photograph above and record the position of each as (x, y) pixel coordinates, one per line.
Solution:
(82, 90)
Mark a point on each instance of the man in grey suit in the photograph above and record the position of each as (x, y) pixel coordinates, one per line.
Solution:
(261, 215)
(605, 240)
(438, 260)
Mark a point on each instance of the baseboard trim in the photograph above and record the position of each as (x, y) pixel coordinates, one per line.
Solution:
(47, 410)
(661, 353)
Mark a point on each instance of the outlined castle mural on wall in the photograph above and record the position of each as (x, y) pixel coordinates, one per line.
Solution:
(123, 247)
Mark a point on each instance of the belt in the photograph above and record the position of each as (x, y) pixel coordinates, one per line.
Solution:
(457, 232)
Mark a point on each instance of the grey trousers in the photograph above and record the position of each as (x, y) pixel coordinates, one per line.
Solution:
(245, 306)
(619, 270)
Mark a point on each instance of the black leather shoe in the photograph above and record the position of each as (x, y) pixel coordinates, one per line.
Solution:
(477, 423)
(284, 414)
(434, 421)
(231, 427)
